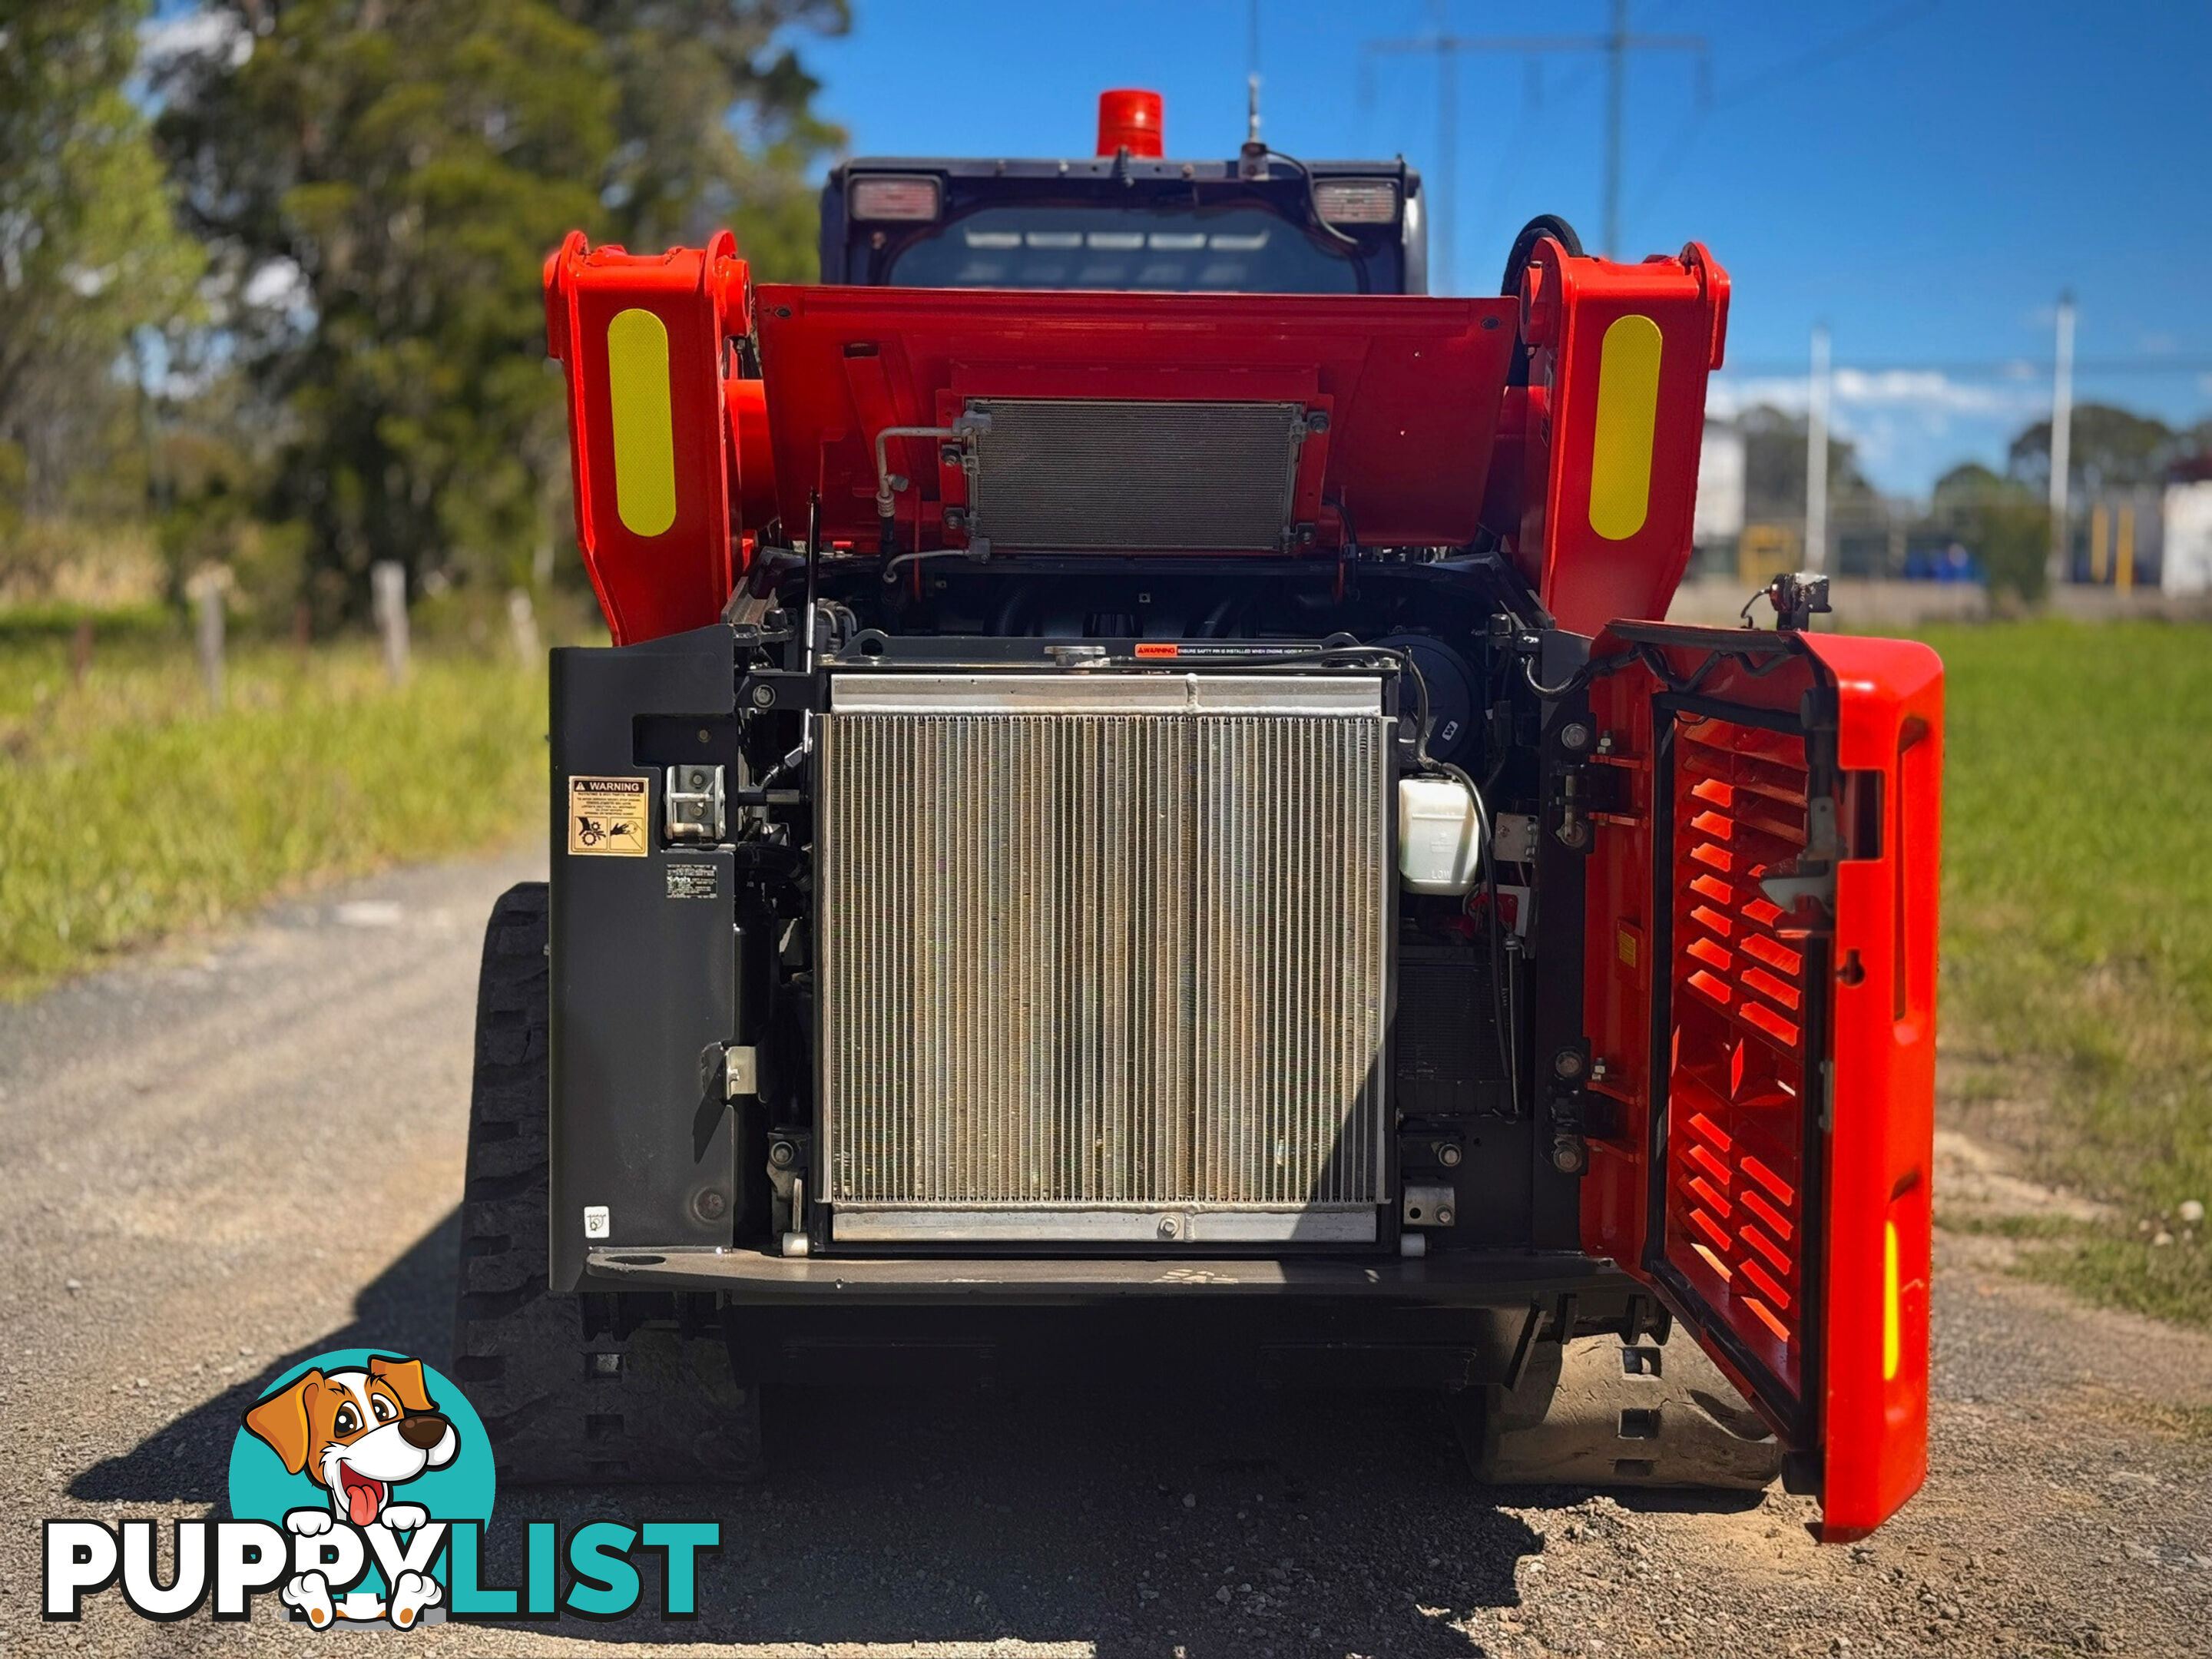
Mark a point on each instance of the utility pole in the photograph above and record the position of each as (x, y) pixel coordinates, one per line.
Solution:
(1617, 45)
(1816, 455)
(2062, 438)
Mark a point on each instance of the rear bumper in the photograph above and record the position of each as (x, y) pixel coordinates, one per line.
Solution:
(1486, 1279)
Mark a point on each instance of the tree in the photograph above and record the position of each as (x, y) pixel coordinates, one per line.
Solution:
(90, 252)
(714, 124)
(2002, 520)
(1774, 469)
(2108, 448)
(382, 180)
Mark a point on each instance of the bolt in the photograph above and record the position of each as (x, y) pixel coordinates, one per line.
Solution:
(1447, 1154)
(1569, 1155)
(698, 779)
(1444, 1215)
(1167, 1227)
(1574, 737)
(711, 1205)
(1318, 421)
(705, 736)
(782, 1154)
(763, 696)
(1567, 1063)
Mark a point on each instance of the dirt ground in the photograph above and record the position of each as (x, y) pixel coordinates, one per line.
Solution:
(217, 1161)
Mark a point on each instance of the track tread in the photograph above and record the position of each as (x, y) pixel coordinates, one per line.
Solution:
(672, 1413)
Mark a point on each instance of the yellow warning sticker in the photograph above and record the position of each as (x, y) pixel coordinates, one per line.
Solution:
(1624, 942)
(608, 816)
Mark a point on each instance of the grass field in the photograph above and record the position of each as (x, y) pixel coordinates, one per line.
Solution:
(2078, 933)
(129, 810)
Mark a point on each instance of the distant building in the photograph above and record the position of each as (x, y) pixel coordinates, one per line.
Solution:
(1719, 516)
(2186, 564)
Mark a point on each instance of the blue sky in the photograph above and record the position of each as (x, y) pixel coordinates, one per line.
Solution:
(1927, 194)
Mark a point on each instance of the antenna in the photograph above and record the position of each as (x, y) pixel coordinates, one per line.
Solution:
(1252, 107)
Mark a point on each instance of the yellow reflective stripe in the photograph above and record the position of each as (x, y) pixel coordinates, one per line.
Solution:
(644, 421)
(1893, 1339)
(1627, 417)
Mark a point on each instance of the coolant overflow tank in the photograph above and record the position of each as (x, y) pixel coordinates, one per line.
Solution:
(1439, 835)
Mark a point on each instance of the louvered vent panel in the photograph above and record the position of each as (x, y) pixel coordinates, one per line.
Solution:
(1735, 1115)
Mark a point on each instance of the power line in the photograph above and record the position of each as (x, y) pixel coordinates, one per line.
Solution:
(2024, 369)
(1616, 44)
(1678, 147)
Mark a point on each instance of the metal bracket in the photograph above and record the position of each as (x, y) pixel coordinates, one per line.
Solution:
(692, 810)
(1812, 875)
(1424, 1206)
(740, 1071)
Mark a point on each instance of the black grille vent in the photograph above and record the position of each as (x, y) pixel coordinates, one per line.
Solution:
(1113, 475)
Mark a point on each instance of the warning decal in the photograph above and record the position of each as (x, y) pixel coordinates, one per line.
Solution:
(609, 817)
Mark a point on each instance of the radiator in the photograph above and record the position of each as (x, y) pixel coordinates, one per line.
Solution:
(1102, 957)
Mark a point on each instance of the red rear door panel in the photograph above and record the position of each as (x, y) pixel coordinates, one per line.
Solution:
(1890, 698)
(1768, 1049)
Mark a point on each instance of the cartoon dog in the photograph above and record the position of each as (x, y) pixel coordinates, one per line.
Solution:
(359, 1433)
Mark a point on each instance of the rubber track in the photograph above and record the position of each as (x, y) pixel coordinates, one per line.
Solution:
(669, 1410)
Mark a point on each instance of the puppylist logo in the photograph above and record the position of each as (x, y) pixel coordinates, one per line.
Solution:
(360, 1486)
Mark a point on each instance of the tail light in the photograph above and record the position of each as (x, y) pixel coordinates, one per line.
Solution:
(895, 195)
(1356, 201)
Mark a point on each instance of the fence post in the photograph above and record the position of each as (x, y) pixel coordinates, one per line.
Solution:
(522, 628)
(205, 589)
(387, 585)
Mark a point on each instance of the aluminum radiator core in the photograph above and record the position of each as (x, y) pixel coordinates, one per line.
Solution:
(1102, 957)
(1076, 474)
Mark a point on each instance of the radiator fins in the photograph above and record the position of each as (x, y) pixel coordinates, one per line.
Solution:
(1081, 961)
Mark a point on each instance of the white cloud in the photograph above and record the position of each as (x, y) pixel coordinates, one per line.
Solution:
(195, 34)
(1926, 390)
(278, 284)
(1909, 426)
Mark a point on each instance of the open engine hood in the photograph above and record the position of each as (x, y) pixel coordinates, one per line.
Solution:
(1109, 422)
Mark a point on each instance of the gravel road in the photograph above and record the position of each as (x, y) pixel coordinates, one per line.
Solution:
(217, 1160)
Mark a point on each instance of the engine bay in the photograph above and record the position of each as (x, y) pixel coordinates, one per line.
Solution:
(1070, 912)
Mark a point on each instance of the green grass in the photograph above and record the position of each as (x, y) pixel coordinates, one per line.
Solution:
(129, 810)
(2077, 889)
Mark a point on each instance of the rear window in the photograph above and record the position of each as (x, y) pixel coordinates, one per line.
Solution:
(1170, 249)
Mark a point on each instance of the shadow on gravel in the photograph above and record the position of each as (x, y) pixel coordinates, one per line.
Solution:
(407, 1308)
(1121, 1517)
(1121, 1522)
